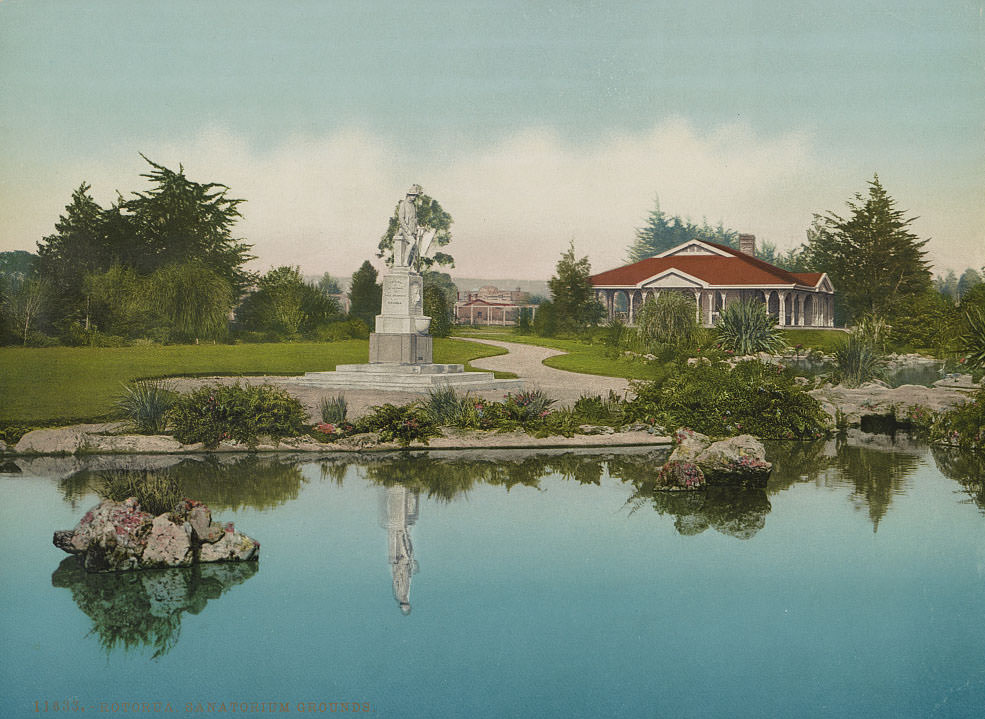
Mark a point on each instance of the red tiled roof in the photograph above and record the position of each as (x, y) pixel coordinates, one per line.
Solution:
(809, 278)
(737, 269)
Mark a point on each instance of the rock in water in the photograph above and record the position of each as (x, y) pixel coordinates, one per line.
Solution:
(118, 536)
(689, 444)
(736, 461)
(679, 475)
(696, 460)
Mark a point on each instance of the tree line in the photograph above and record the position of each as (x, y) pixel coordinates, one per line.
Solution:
(876, 262)
(164, 265)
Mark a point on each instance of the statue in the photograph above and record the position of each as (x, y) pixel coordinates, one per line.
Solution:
(405, 239)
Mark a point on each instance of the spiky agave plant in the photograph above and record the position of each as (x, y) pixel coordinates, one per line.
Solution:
(746, 328)
(334, 409)
(973, 341)
(144, 404)
(858, 360)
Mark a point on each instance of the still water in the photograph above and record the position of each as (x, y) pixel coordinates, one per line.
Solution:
(551, 585)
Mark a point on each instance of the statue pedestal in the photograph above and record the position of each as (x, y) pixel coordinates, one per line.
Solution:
(400, 351)
(401, 335)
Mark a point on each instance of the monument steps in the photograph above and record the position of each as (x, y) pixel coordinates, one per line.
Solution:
(406, 377)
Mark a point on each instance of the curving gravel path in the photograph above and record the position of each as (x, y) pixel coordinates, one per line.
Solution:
(526, 361)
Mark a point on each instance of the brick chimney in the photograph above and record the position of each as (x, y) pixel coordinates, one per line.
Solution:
(747, 244)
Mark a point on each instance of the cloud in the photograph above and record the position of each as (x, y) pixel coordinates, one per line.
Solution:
(322, 202)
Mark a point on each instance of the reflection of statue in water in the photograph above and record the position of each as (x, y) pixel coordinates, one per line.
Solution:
(400, 505)
(405, 239)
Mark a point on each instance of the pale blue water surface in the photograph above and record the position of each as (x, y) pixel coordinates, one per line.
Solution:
(547, 586)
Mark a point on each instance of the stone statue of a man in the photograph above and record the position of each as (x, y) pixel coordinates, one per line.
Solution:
(405, 239)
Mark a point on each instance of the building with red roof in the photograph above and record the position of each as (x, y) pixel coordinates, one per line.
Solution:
(716, 276)
(492, 306)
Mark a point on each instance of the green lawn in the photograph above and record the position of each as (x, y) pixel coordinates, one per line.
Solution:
(826, 341)
(581, 357)
(44, 385)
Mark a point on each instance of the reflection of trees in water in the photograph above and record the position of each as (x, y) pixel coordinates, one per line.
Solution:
(876, 476)
(964, 467)
(445, 479)
(258, 481)
(795, 462)
(143, 609)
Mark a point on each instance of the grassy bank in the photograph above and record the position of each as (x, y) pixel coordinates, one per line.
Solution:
(41, 385)
(581, 357)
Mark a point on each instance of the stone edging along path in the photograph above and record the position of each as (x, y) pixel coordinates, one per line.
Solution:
(526, 361)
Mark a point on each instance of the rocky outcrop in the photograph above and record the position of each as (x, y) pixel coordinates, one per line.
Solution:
(119, 536)
(735, 461)
(697, 461)
(877, 399)
(680, 476)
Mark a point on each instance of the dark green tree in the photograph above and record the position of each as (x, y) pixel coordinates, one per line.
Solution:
(193, 300)
(78, 247)
(18, 264)
(872, 257)
(180, 221)
(662, 231)
(436, 307)
(283, 303)
(431, 218)
(524, 323)
(365, 294)
(573, 297)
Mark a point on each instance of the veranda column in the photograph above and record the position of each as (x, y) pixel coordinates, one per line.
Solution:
(697, 306)
(782, 319)
(631, 296)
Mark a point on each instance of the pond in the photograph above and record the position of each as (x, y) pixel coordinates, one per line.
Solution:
(512, 585)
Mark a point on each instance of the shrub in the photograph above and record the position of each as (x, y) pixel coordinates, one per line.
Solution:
(600, 410)
(963, 426)
(546, 320)
(857, 360)
(342, 330)
(444, 406)
(334, 409)
(669, 319)
(405, 424)
(436, 307)
(144, 405)
(527, 405)
(973, 339)
(236, 412)
(751, 398)
(523, 321)
(156, 492)
(746, 328)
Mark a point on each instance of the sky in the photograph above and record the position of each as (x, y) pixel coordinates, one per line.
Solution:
(534, 124)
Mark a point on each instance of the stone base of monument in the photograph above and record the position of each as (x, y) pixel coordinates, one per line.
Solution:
(404, 348)
(400, 351)
(407, 377)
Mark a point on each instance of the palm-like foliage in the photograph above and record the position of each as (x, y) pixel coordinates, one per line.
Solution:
(858, 361)
(145, 404)
(973, 341)
(746, 328)
(334, 409)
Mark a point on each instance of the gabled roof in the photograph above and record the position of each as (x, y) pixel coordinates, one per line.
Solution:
(728, 268)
